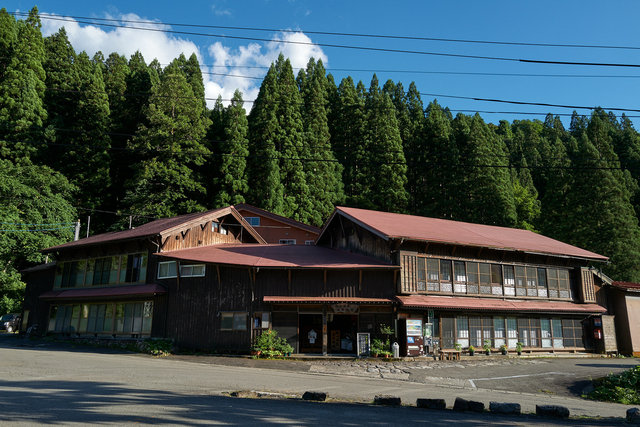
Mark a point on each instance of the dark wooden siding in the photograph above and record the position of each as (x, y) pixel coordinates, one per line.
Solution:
(342, 233)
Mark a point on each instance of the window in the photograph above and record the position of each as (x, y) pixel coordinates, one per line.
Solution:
(529, 332)
(309, 242)
(195, 270)
(101, 271)
(542, 282)
(509, 281)
(433, 275)
(218, 228)
(167, 269)
(472, 277)
(496, 279)
(462, 323)
(485, 278)
(532, 282)
(69, 273)
(572, 333)
(460, 284)
(521, 289)
(136, 268)
(231, 321)
(445, 276)
(498, 332)
(545, 332)
(559, 286)
(287, 241)
(512, 332)
(422, 274)
(557, 333)
(253, 221)
(480, 330)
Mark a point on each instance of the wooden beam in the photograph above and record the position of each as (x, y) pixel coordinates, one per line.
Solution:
(325, 279)
(218, 271)
(202, 226)
(360, 280)
(289, 279)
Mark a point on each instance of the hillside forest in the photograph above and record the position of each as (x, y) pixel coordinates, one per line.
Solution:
(122, 139)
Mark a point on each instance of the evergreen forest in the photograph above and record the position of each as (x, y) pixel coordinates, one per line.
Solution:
(123, 139)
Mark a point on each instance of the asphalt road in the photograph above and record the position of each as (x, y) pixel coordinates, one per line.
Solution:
(61, 384)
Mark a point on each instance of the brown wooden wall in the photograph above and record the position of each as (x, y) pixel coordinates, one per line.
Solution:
(346, 235)
(272, 230)
(193, 305)
(201, 235)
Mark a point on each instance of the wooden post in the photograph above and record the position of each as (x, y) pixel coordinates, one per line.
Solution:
(289, 280)
(359, 280)
(325, 280)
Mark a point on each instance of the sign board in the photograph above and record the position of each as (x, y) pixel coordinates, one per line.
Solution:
(414, 327)
(364, 344)
(345, 308)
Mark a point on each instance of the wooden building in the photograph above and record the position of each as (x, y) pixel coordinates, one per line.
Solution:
(211, 281)
(276, 228)
(471, 285)
(624, 301)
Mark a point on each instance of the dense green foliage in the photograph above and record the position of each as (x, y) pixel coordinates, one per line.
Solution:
(269, 344)
(621, 388)
(119, 134)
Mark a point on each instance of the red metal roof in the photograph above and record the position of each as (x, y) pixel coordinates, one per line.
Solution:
(128, 291)
(494, 304)
(627, 286)
(399, 226)
(149, 229)
(284, 219)
(354, 300)
(277, 256)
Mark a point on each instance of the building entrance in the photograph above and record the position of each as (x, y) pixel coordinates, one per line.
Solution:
(341, 333)
(310, 333)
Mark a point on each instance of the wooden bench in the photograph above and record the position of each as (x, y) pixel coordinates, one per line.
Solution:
(449, 355)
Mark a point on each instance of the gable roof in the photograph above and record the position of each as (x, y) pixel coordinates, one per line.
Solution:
(276, 217)
(627, 286)
(277, 256)
(409, 227)
(157, 227)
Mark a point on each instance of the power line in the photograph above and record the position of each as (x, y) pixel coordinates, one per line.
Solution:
(114, 212)
(37, 229)
(542, 104)
(352, 47)
(344, 34)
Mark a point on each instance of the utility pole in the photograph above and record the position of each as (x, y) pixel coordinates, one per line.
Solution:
(88, 224)
(76, 236)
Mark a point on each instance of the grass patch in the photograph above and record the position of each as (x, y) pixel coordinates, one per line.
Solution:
(619, 388)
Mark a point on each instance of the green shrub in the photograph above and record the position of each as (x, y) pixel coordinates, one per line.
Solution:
(620, 388)
(269, 344)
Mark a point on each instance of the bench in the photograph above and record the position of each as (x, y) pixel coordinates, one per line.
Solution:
(449, 355)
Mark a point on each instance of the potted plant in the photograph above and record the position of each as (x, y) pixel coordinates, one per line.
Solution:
(519, 348)
(503, 349)
(458, 346)
(472, 350)
(487, 347)
(376, 347)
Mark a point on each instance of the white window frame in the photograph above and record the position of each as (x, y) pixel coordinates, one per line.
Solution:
(253, 221)
(309, 242)
(287, 241)
(167, 264)
(186, 267)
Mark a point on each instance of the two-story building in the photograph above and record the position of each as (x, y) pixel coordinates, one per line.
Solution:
(210, 281)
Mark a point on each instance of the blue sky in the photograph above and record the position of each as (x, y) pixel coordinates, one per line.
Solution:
(570, 22)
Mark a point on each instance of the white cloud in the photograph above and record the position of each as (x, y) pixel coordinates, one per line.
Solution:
(240, 67)
(239, 62)
(124, 40)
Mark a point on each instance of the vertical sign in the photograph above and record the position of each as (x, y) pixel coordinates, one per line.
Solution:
(364, 344)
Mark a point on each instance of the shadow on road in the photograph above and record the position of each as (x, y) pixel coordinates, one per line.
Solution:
(606, 365)
(63, 402)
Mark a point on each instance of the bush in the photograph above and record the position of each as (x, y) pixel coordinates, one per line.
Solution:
(621, 388)
(269, 344)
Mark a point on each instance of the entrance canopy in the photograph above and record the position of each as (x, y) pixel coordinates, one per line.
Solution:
(491, 304)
